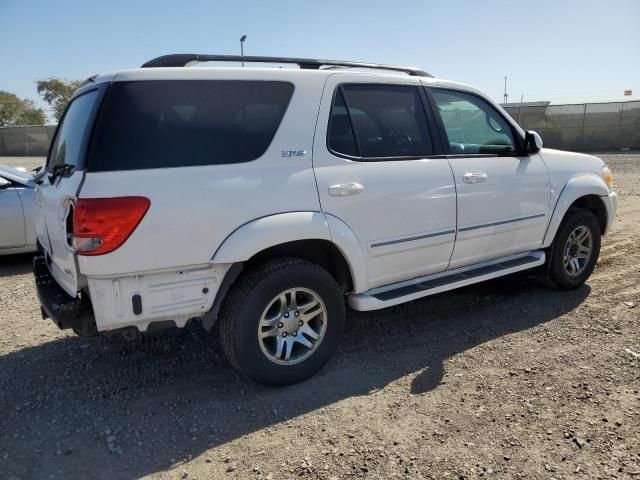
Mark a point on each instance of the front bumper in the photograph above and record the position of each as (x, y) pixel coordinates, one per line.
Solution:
(611, 204)
(56, 304)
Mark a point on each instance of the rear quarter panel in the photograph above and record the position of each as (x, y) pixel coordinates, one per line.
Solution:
(193, 209)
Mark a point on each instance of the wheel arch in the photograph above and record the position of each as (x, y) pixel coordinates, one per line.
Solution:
(594, 204)
(321, 252)
(312, 236)
(583, 192)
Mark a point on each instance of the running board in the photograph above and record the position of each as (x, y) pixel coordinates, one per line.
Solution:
(406, 291)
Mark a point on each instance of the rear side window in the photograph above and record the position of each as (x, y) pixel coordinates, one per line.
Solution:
(177, 123)
(341, 137)
(379, 121)
(68, 145)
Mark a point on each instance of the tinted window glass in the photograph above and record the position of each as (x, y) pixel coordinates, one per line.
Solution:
(175, 123)
(388, 120)
(67, 146)
(341, 137)
(472, 125)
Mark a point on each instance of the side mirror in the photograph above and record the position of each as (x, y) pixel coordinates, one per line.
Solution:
(39, 175)
(4, 182)
(533, 142)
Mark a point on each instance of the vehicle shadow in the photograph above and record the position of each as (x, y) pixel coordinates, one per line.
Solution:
(102, 408)
(15, 264)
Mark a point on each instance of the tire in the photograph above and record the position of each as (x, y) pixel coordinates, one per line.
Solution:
(257, 305)
(562, 272)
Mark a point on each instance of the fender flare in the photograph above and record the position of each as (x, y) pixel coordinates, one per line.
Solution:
(577, 187)
(345, 239)
(269, 231)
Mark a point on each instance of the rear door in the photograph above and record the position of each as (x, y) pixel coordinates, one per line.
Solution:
(56, 193)
(377, 170)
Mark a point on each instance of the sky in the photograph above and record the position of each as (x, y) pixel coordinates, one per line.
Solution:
(565, 51)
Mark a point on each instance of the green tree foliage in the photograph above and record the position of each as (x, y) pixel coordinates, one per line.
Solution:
(57, 93)
(16, 111)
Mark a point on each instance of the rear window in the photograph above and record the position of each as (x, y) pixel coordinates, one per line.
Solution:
(70, 138)
(177, 123)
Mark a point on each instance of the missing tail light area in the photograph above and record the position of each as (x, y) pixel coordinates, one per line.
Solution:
(101, 225)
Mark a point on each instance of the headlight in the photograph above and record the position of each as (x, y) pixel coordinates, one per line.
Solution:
(606, 176)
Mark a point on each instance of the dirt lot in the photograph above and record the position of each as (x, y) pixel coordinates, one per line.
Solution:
(502, 380)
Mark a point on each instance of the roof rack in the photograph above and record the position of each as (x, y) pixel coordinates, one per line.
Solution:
(188, 59)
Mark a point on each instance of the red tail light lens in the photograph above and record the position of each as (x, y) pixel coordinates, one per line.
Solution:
(100, 225)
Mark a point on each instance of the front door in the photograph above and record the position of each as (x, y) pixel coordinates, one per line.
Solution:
(503, 197)
(375, 167)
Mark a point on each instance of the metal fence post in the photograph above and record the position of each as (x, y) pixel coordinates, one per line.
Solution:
(584, 119)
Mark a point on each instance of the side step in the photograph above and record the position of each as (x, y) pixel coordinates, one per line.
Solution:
(408, 290)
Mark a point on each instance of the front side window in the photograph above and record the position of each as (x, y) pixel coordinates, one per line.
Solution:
(179, 123)
(379, 121)
(472, 125)
(67, 146)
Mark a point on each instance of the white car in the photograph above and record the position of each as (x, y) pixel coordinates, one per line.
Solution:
(260, 199)
(17, 229)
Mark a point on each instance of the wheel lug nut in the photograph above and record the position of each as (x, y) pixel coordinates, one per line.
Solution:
(284, 334)
(300, 323)
(296, 314)
(295, 333)
(286, 315)
(280, 325)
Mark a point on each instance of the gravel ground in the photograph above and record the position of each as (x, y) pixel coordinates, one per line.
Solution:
(501, 380)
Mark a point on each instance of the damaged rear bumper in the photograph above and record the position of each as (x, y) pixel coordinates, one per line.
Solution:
(65, 311)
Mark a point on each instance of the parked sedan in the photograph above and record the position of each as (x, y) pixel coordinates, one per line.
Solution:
(17, 231)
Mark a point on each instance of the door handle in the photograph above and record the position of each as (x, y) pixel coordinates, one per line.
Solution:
(475, 177)
(345, 189)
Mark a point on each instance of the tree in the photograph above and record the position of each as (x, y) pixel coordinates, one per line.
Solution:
(16, 111)
(57, 93)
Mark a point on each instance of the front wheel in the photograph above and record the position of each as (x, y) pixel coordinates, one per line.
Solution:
(575, 250)
(282, 322)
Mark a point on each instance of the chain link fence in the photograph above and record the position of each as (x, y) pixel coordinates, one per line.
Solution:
(25, 141)
(582, 127)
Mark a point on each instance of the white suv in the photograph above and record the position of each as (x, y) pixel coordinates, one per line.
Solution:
(259, 199)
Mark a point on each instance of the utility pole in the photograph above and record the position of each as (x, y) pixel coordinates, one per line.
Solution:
(242, 39)
(506, 95)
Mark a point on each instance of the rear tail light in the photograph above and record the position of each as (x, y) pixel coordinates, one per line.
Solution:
(100, 225)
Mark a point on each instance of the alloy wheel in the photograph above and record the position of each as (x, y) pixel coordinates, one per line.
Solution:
(292, 326)
(577, 250)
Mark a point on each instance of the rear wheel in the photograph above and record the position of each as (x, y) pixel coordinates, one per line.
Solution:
(282, 322)
(575, 250)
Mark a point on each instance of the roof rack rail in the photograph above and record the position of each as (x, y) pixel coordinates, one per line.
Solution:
(187, 59)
